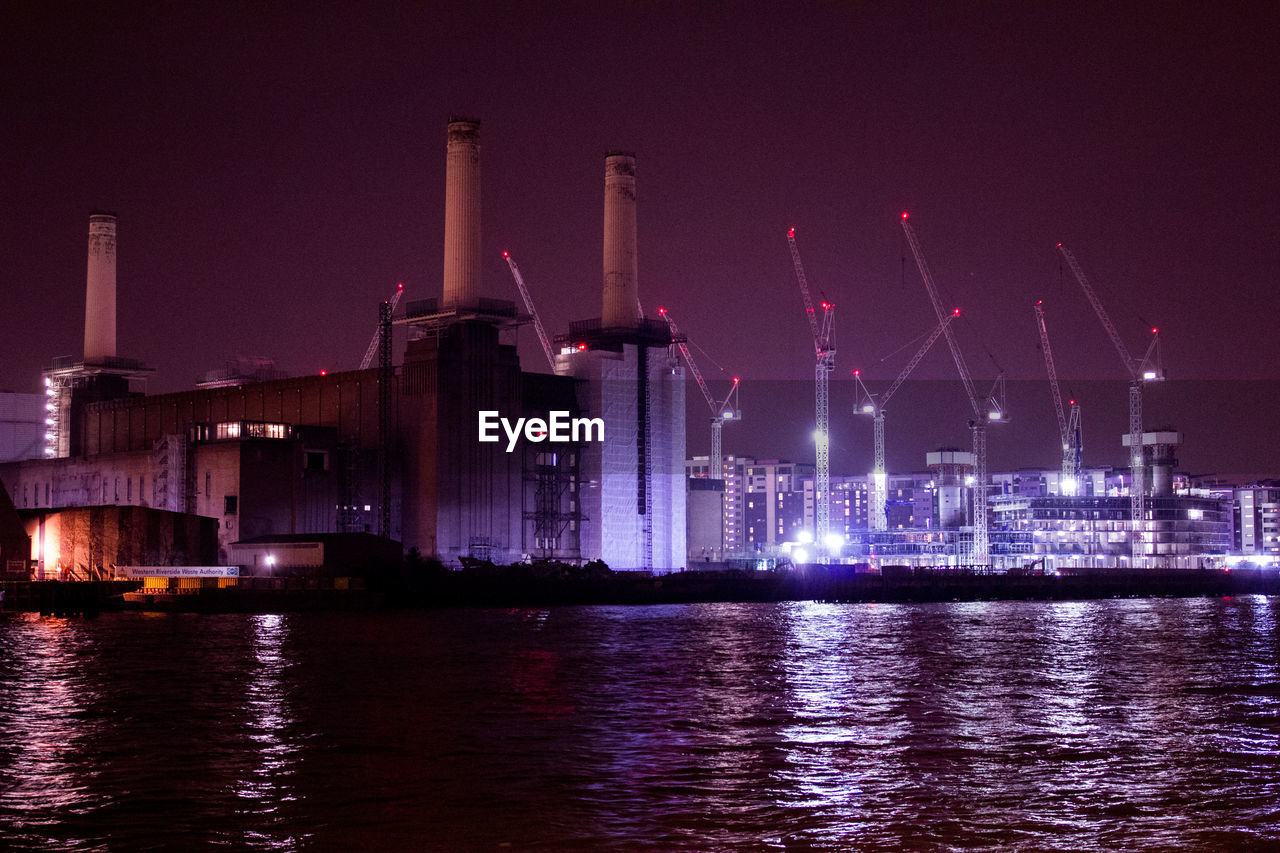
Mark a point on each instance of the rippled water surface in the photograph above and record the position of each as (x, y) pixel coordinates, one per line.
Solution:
(1090, 725)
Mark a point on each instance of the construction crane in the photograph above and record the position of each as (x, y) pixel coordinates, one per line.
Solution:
(726, 410)
(1145, 369)
(372, 351)
(1068, 424)
(873, 404)
(985, 409)
(825, 352)
(533, 312)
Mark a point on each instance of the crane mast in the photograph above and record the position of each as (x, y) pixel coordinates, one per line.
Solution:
(377, 336)
(825, 352)
(988, 409)
(875, 407)
(1075, 460)
(726, 410)
(1146, 369)
(533, 312)
(1068, 429)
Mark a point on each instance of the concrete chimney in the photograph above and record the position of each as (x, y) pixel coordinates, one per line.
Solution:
(620, 271)
(100, 290)
(462, 215)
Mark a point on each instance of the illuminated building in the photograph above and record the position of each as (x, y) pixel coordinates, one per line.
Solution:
(1256, 513)
(393, 452)
(633, 482)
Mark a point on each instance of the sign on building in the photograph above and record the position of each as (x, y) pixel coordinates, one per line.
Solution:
(177, 571)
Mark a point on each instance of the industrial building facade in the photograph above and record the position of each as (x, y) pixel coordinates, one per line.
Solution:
(394, 452)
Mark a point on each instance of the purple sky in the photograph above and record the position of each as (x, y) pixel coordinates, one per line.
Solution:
(278, 169)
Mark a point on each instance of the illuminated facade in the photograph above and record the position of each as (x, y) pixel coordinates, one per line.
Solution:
(394, 451)
(1100, 526)
(1256, 512)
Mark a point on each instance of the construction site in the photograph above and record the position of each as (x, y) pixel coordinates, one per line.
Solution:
(250, 461)
(957, 512)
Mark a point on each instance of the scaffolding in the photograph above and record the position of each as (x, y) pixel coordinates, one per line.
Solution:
(554, 480)
(386, 375)
(173, 481)
(644, 422)
(67, 378)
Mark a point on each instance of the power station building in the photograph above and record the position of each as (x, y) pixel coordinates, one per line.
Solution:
(394, 452)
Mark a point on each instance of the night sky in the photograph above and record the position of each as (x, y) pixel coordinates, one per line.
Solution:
(278, 168)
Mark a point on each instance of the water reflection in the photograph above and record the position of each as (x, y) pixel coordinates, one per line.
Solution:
(1033, 725)
(44, 723)
(269, 719)
(821, 703)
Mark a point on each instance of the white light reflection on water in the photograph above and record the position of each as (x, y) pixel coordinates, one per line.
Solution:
(1066, 702)
(998, 725)
(727, 734)
(268, 715)
(43, 713)
(842, 721)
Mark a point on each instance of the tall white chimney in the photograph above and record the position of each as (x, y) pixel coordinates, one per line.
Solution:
(462, 215)
(620, 269)
(100, 290)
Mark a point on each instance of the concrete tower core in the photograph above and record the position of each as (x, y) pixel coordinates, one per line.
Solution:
(1158, 449)
(100, 290)
(462, 215)
(620, 268)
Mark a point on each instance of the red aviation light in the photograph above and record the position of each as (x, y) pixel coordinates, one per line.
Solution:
(399, 286)
(324, 373)
(955, 312)
(792, 232)
(857, 373)
(826, 306)
(506, 254)
(1154, 330)
(662, 311)
(582, 347)
(904, 216)
(735, 380)
(1059, 246)
(1071, 402)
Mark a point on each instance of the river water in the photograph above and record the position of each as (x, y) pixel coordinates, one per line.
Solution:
(1067, 725)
